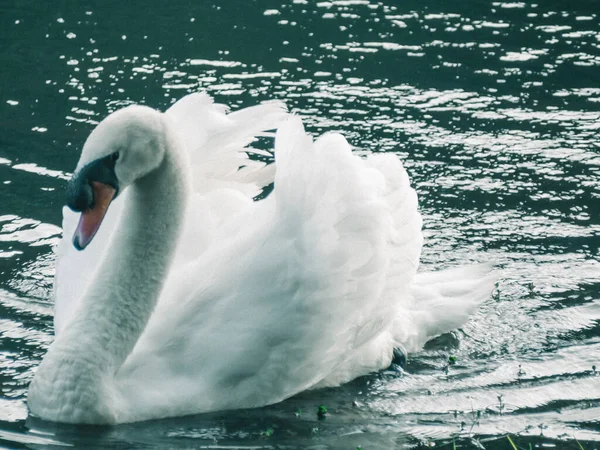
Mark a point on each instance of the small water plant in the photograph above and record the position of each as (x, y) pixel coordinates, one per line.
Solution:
(322, 412)
(496, 295)
(267, 433)
(451, 362)
(530, 289)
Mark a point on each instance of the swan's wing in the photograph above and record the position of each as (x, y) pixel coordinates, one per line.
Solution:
(224, 178)
(219, 143)
(290, 291)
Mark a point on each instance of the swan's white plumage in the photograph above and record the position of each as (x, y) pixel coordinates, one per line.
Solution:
(310, 287)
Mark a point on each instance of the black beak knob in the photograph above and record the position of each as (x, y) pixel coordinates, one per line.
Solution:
(79, 193)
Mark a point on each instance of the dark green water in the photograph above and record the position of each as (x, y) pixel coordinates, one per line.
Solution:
(495, 109)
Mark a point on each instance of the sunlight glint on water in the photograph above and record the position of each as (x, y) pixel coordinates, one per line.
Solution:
(495, 109)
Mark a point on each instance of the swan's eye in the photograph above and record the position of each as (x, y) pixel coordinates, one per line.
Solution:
(114, 156)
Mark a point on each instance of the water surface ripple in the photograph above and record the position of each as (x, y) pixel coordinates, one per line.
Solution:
(495, 109)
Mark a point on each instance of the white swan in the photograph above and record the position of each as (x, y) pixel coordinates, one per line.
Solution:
(193, 298)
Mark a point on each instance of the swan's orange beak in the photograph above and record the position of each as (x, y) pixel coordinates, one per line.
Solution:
(91, 218)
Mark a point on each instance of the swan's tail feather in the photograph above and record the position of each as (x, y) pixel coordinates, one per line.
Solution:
(443, 301)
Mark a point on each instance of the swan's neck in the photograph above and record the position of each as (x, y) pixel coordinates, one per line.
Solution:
(125, 290)
(121, 298)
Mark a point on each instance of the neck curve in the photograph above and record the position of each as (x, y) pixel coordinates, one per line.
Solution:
(73, 383)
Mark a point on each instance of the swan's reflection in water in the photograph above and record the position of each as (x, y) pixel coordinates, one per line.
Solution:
(291, 424)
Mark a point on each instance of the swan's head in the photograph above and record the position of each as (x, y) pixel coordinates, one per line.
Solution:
(124, 147)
